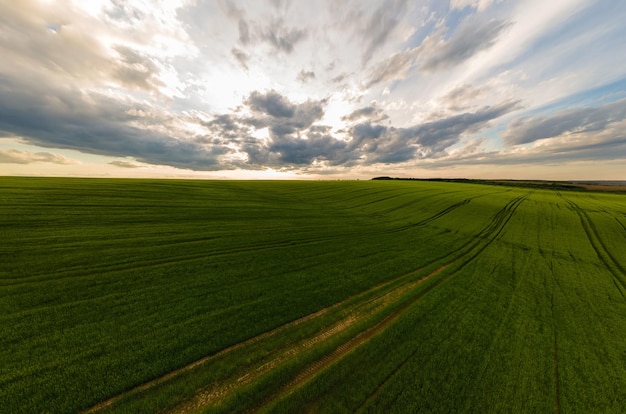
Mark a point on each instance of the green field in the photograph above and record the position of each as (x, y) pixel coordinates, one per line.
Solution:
(378, 296)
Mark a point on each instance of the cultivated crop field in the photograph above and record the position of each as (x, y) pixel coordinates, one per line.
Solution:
(379, 296)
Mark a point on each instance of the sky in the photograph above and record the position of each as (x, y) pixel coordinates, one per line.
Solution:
(319, 89)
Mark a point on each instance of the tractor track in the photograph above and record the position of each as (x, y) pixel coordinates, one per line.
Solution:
(609, 261)
(377, 305)
(511, 207)
(385, 301)
(147, 264)
(494, 228)
(150, 384)
(555, 357)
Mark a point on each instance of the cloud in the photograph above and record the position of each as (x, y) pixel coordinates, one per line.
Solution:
(606, 145)
(67, 45)
(282, 38)
(241, 57)
(441, 133)
(125, 164)
(293, 137)
(136, 70)
(381, 25)
(574, 121)
(371, 112)
(469, 38)
(228, 127)
(460, 97)
(244, 32)
(11, 156)
(436, 54)
(282, 117)
(271, 103)
(475, 4)
(51, 116)
(393, 68)
(305, 76)
(29, 47)
(296, 140)
(229, 8)
(162, 84)
(426, 140)
(316, 147)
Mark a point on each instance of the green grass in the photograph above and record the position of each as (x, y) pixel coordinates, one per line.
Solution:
(434, 297)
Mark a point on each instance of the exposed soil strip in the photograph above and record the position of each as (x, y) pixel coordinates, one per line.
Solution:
(361, 338)
(494, 228)
(147, 385)
(381, 303)
(467, 254)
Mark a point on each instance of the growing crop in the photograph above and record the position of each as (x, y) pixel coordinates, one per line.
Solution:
(380, 296)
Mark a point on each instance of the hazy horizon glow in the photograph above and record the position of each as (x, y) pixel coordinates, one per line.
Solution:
(276, 89)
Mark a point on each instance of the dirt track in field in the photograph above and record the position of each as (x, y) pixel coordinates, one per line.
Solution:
(381, 305)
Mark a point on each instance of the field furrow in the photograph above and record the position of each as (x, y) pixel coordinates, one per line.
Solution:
(378, 307)
(391, 299)
(147, 296)
(605, 256)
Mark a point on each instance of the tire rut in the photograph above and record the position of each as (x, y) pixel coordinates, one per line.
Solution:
(380, 386)
(168, 376)
(615, 268)
(555, 351)
(495, 228)
(378, 304)
(147, 264)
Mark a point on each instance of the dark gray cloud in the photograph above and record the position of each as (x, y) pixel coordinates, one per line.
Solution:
(316, 147)
(226, 127)
(276, 111)
(383, 144)
(371, 112)
(578, 120)
(440, 134)
(294, 137)
(470, 38)
(271, 103)
(285, 117)
(56, 117)
(381, 25)
(610, 147)
(296, 140)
